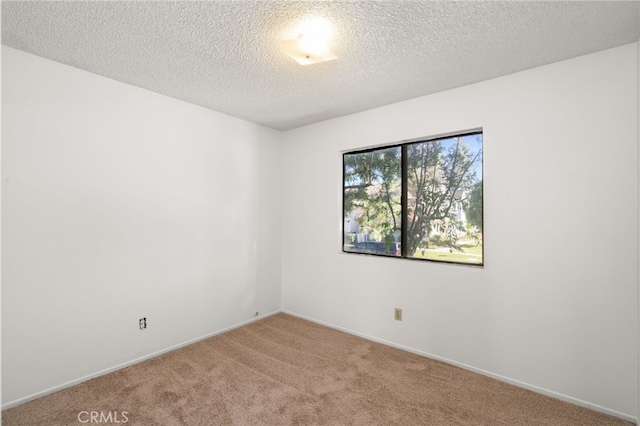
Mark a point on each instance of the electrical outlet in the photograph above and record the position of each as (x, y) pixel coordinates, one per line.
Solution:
(142, 322)
(398, 314)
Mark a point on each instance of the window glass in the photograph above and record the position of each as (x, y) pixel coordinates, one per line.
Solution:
(440, 182)
(444, 199)
(372, 201)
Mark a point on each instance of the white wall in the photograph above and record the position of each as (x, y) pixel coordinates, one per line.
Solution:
(555, 307)
(117, 204)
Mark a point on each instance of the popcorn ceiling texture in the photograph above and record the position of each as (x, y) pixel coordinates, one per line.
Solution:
(225, 56)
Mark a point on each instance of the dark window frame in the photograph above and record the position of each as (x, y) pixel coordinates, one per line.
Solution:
(404, 196)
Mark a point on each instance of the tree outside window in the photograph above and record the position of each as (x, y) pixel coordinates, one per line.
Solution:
(421, 200)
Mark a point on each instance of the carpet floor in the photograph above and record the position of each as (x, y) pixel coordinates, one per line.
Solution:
(283, 370)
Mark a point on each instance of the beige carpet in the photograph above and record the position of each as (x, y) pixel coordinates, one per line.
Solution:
(286, 371)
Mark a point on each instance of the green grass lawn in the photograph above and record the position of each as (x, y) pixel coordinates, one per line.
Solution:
(471, 253)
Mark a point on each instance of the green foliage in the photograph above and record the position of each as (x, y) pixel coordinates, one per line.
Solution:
(436, 241)
(372, 190)
(474, 210)
(439, 174)
(388, 240)
(441, 180)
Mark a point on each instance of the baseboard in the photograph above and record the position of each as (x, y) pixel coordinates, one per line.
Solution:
(77, 381)
(514, 382)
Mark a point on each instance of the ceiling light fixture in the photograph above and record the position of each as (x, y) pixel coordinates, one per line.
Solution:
(308, 49)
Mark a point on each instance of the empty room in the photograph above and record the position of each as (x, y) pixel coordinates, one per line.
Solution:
(320, 212)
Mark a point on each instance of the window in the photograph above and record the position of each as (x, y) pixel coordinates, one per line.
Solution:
(419, 200)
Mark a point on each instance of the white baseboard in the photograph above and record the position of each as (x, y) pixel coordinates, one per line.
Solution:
(514, 382)
(79, 380)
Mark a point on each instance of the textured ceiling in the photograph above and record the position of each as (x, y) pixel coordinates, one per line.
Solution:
(224, 55)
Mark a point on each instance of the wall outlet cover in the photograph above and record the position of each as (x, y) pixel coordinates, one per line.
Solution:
(398, 314)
